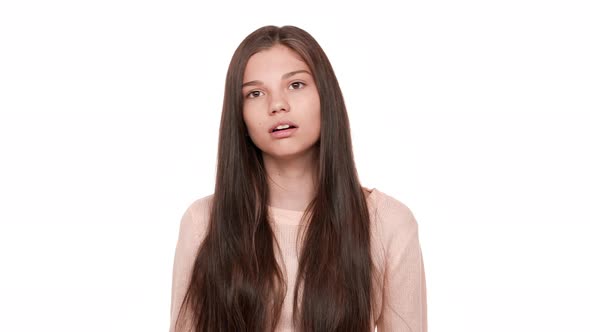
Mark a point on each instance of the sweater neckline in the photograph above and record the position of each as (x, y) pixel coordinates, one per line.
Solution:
(294, 217)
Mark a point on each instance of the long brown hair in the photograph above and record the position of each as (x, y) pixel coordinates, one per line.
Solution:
(236, 282)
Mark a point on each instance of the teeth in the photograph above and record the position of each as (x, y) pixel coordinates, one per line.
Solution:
(282, 127)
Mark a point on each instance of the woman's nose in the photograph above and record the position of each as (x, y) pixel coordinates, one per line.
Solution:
(279, 103)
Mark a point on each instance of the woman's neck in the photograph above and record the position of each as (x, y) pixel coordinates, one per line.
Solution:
(292, 183)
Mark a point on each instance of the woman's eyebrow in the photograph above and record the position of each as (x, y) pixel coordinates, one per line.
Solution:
(285, 76)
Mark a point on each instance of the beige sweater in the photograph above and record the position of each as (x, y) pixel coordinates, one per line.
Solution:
(400, 285)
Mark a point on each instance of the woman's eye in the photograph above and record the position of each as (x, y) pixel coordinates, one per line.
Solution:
(297, 85)
(254, 94)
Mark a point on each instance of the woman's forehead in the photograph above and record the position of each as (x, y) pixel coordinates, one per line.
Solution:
(273, 62)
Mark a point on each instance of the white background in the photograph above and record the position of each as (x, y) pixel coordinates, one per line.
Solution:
(472, 113)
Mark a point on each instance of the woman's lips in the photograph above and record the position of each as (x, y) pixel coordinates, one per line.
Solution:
(283, 133)
(281, 123)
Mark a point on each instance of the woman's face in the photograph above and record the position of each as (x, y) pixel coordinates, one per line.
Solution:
(279, 88)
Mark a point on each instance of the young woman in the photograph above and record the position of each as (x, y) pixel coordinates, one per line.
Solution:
(290, 240)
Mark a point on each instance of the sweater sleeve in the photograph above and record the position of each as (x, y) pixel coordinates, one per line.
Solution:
(191, 233)
(404, 283)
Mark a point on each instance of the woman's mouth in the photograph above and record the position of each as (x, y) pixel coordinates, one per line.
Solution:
(283, 132)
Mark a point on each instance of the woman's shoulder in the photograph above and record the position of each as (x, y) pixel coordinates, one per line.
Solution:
(200, 205)
(196, 216)
(381, 200)
(391, 215)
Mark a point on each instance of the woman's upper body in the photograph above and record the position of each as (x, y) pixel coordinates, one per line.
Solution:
(399, 283)
(286, 167)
